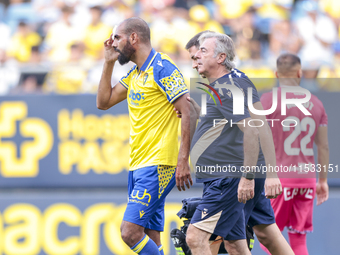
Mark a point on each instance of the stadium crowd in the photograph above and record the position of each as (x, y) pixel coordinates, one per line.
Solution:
(56, 46)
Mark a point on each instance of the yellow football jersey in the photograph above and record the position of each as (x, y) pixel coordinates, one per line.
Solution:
(154, 124)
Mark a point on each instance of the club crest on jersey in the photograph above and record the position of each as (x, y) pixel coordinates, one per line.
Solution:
(145, 78)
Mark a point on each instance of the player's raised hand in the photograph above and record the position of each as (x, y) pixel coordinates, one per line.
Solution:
(272, 187)
(245, 190)
(183, 175)
(110, 54)
(322, 192)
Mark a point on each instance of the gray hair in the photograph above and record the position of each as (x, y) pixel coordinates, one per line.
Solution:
(223, 44)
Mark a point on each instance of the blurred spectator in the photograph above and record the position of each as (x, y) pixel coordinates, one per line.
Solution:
(5, 33)
(157, 4)
(33, 73)
(81, 16)
(35, 55)
(47, 10)
(200, 20)
(269, 11)
(2, 12)
(72, 34)
(328, 78)
(230, 9)
(172, 28)
(61, 35)
(19, 10)
(284, 37)
(95, 73)
(318, 33)
(22, 42)
(337, 52)
(116, 11)
(328, 75)
(9, 73)
(247, 37)
(95, 34)
(187, 4)
(28, 85)
(69, 77)
(332, 8)
(169, 33)
(273, 9)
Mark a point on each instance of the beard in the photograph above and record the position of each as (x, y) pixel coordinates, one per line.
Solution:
(125, 54)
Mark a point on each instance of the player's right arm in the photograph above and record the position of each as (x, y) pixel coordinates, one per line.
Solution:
(195, 110)
(108, 96)
(321, 141)
(251, 153)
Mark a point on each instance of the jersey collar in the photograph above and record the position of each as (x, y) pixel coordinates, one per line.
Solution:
(148, 60)
(221, 78)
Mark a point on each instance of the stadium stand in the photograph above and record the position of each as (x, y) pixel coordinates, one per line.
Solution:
(260, 29)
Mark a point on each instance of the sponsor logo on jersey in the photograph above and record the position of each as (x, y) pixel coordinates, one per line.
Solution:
(136, 97)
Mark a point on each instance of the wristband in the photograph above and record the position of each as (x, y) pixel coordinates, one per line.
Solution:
(248, 175)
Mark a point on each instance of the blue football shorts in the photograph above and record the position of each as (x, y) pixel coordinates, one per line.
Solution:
(148, 187)
(259, 210)
(220, 212)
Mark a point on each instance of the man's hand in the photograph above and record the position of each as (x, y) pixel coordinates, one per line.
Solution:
(322, 192)
(197, 108)
(272, 187)
(111, 55)
(245, 190)
(183, 175)
(321, 141)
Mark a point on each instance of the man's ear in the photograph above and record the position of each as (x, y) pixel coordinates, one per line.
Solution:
(276, 74)
(221, 58)
(133, 38)
(299, 74)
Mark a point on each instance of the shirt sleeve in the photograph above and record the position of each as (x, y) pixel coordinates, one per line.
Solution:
(324, 117)
(171, 81)
(125, 81)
